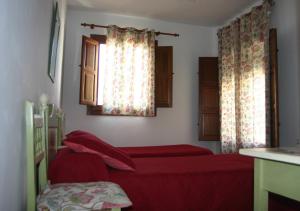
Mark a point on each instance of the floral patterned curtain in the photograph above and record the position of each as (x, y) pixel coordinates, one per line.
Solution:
(129, 73)
(244, 81)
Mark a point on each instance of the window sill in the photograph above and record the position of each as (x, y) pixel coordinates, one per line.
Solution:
(97, 111)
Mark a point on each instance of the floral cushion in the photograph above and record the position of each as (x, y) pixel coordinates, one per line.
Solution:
(82, 196)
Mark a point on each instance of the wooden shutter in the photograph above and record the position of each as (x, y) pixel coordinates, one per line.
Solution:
(91, 109)
(209, 118)
(274, 89)
(89, 71)
(163, 76)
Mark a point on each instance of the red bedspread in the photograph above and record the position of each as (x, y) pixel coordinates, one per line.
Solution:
(190, 183)
(165, 151)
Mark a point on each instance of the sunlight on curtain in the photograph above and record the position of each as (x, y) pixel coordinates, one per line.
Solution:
(128, 72)
(244, 81)
(101, 75)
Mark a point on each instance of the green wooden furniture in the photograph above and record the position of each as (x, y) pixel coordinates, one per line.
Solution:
(276, 170)
(55, 129)
(36, 137)
(36, 132)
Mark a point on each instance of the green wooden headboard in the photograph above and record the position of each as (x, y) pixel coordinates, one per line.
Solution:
(56, 130)
(36, 124)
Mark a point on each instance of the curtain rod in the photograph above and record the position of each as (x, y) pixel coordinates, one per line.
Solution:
(92, 26)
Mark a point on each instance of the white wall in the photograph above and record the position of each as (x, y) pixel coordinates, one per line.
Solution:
(172, 125)
(286, 18)
(25, 35)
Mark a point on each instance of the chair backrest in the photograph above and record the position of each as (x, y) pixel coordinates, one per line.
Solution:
(36, 123)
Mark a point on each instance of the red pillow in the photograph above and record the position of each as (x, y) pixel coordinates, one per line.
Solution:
(78, 133)
(111, 155)
(70, 167)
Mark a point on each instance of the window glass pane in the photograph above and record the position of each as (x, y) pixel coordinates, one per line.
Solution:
(101, 70)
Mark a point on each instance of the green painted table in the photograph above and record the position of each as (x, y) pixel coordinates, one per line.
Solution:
(276, 170)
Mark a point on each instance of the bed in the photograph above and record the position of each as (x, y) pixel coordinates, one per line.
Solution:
(211, 182)
(188, 182)
(176, 177)
(184, 179)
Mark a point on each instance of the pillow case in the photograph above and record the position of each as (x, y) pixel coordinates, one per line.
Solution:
(112, 156)
(71, 167)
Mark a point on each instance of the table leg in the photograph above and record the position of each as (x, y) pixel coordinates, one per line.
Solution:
(260, 194)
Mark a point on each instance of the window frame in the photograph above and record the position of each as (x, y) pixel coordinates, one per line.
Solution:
(97, 109)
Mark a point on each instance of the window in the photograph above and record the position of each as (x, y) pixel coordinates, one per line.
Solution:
(97, 61)
(102, 64)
